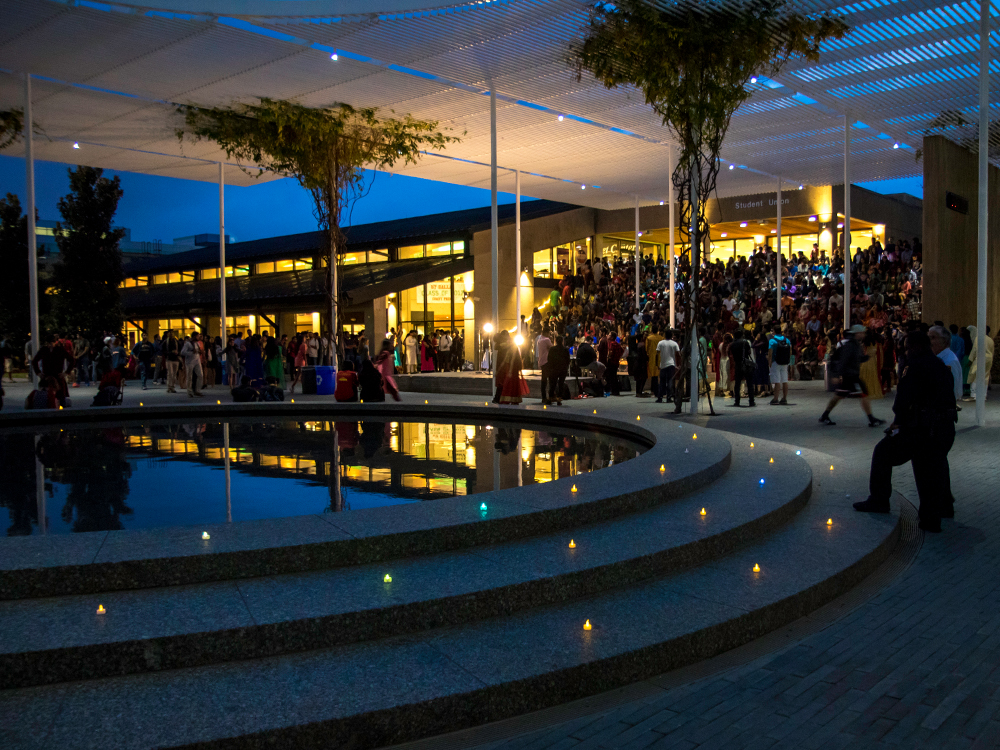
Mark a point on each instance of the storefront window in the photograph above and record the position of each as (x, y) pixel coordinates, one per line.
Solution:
(803, 243)
(180, 326)
(541, 265)
(437, 249)
(264, 268)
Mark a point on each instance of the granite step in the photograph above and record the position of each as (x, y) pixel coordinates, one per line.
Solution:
(408, 686)
(62, 638)
(45, 566)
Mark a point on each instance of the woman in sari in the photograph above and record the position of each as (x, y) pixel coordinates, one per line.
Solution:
(426, 355)
(508, 370)
(384, 364)
(274, 361)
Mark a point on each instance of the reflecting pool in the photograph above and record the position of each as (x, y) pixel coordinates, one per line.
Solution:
(155, 474)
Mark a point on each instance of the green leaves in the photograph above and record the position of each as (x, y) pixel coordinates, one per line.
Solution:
(11, 125)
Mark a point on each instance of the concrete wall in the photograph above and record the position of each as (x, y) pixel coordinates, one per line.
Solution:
(951, 239)
(900, 214)
(536, 234)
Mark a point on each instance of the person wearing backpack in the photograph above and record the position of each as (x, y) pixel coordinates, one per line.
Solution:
(845, 365)
(779, 354)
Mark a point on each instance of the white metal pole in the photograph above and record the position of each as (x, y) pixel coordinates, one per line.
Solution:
(29, 165)
(693, 306)
(638, 253)
(847, 221)
(517, 245)
(229, 484)
(777, 275)
(984, 144)
(670, 258)
(222, 262)
(494, 233)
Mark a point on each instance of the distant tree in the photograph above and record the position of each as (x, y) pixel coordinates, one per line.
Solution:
(14, 287)
(325, 149)
(87, 276)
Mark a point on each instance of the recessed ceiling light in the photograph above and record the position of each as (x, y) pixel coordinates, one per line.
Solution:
(895, 145)
(801, 186)
(583, 187)
(774, 231)
(76, 145)
(840, 225)
(724, 234)
(743, 223)
(812, 218)
(333, 56)
(732, 166)
(753, 79)
(560, 118)
(661, 203)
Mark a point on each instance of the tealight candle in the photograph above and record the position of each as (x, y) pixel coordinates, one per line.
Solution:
(140, 403)
(751, 445)
(100, 609)
(572, 544)
(762, 481)
(482, 507)
(637, 417)
(574, 488)
(772, 461)
(695, 436)
(205, 536)
(663, 467)
(425, 400)
(587, 625)
(218, 402)
(829, 522)
(703, 512)
(756, 568)
(831, 467)
(388, 578)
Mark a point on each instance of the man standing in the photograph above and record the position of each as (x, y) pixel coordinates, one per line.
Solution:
(741, 353)
(542, 346)
(668, 354)
(144, 352)
(557, 362)
(922, 433)
(192, 364)
(779, 353)
(846, 365)
(444, 352)
(940, 344)
(171, 354)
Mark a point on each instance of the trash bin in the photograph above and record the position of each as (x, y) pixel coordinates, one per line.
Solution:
(309, 380)
(325, 380)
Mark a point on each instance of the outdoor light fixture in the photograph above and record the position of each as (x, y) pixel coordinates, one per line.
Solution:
(831, 467)
(518, 339)
(76, 145)
(333, 56)
(572, 544)
(388, 578)
(205, 536)
(586, 625)
(637, 417)
(100, 609)
(686, 450)
(895, 145)
(488, 327)
(560, 118)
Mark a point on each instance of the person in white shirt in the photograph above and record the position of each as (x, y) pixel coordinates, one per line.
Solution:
(444, 352)
(669, 353)
(941, 346)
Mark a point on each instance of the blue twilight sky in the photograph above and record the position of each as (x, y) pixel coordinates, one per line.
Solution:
(161, 208)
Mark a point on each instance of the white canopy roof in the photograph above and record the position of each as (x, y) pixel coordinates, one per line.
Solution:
(108, 76)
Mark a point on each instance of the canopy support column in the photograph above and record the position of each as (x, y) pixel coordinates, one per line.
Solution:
(670, 257)
(517, 247)
(494, 233)
(222, 260)
(847, 221)
(984, 186)
(695, 274)
(638, 253)
(29, 186)
(777, 273)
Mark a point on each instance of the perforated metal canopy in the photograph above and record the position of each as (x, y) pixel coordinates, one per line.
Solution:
(109, 76)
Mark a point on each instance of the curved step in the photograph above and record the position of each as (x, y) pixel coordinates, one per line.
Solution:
(117, 560)
(58, 639)
(379, 692)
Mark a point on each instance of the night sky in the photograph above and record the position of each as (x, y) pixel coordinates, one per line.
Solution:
(162, 208)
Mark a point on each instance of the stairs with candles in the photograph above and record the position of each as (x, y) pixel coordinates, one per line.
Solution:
(345, 657)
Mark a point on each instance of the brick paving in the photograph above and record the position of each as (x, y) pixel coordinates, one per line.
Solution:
(916, 665)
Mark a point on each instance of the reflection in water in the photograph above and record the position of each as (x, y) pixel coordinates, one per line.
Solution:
(159, 474)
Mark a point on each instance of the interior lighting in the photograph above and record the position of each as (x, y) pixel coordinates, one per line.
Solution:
(488, 327)
(76, 145)
(724, 234)
(572, 544)
(812, 218)
(840, 225)
(774, 231)
(100, 609)
(756, 568)
(732, 166)
(801, 187)
(583, 187)
(388, 578)
(205, 536)
(661, 203)
(518, 339)
(586, 625)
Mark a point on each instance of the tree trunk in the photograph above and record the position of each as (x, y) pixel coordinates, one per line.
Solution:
(695, 274)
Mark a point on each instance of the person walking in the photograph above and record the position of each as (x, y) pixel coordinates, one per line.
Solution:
(171, 353)
(741, 354)
(846, 363)
(922, 433)
(779, 355)
(191, 355)
(668, 355)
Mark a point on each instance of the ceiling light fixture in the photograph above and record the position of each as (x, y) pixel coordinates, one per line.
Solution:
(753, 79)
(661, 203)
(76, 145)
(895, 145)
(743, 223)
(801, 186)
(333, 56)
(583, 187)
(812, 218)
(732, 166)
(724, 234)
(560, 118)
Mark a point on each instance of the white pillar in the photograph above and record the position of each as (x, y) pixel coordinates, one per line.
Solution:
(693, 306)
(638, 253)
(517, 247)
(847, 221)
(494, 236)
(29, 186)
(670, 257)
(984, 186)
(222, 269)
(229, 484)
(777, 268)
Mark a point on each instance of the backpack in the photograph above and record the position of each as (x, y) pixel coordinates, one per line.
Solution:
(782, 352)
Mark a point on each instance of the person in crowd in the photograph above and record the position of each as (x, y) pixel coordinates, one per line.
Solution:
(244, 393)
(558, 365)
(312, 349)
(410, 344)
(508, 370)
(384, 364)
(254, 361)
(741, 354)
(347, 383)
(52, 361)
(145, 353)
(301, 360)
(171, 353)
(542, 346)
(973, 358)
(779, 354)
(922, 432)
(274, 361)
(370, 383)
(668, 354)
(846, 366)
(444, 351)
(191, 354)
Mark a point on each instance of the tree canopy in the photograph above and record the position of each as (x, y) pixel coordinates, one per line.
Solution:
(87, 276)
(14, 286)
(11, 125)
(325, 149)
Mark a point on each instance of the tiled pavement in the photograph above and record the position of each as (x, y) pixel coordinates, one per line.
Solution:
(916, 665)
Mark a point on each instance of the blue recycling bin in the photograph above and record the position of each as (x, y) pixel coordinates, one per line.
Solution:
(326, 380)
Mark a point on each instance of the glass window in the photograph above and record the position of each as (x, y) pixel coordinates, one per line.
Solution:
(160, 278)
(353, 259)
(264, 268)
(414, 251)
(303, 264)
(173, 278)
(378, 256)
(237, 271)
(209, 273)
(458, 247)
(803, 243)
(188, 275)
(744, 248)
(306, 322)
(438, 248)
(541, 264)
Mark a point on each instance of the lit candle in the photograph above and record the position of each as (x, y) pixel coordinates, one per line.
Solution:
(204, 535)
(586, 625)
(482, 507)
(831, 467)
(663, 467)
(572, 544)
(829, 522)
(695, 436)
(756, 568)
(100, 609)
(762, 481)
(751, 445)
(574, 488)
(388, 578)
(703, 512)
(772, 460)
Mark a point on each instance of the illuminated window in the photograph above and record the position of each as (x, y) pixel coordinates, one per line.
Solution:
(209, 273)
(266, 268)
(414, 251)
(438, 249)
(378, 256)
(173, 278)
(352, 259)
(237, 271)
(160, 278)
(188, 275)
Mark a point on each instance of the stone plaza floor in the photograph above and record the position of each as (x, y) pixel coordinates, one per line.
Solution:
(915, 662)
